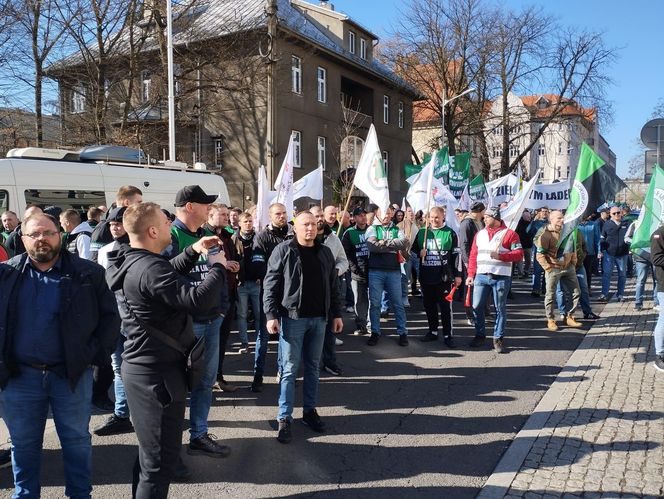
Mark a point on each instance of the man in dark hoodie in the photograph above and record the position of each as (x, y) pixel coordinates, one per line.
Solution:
(158, 296)
(277, 231)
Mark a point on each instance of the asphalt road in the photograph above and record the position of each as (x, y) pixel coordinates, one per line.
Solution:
(419, 421)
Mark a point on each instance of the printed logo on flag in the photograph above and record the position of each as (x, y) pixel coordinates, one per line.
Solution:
(659, 196)
(377, 175)
(578, 203)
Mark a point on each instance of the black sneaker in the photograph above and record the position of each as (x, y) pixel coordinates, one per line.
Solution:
(403, 340)
(602, 298)
(182, 473)
(429, 337)
(659, 363)
(5, 458)
(205, 446)
(449, 342)
(477, 341)
(114, 425)
(591, 315)
(312, 420)
(284, 434)
(383, 315)
(334, 370)
(534, 294)
(257, 384)
(373, 339)
(360, 332)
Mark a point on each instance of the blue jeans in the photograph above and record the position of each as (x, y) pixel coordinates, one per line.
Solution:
(608, 263)
(500, 287)
(121, 407)
(25, 403)
(405, 277)
(300, 339)
(642, 269)
(201, 396)
(248, 292)
(658, 333)
(538, 274)
(584, 301)
(389, 281)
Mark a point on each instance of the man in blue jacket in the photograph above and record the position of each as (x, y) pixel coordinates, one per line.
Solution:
(48, 351)
(614, 254)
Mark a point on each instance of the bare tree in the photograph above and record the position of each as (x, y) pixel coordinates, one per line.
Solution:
(343, 152)
(37, 31)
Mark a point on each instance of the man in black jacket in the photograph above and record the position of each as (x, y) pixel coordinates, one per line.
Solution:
(158, 296)
(657, 257)
(614, 253)
(471, 224)
(301, 291)
(57, 317)
(357, 253)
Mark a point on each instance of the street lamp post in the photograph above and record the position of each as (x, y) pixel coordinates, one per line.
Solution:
(444, 103)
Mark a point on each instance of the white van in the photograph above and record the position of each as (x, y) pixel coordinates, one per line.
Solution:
(27, 178)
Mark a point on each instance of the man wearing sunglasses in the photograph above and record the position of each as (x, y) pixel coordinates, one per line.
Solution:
(614, 252)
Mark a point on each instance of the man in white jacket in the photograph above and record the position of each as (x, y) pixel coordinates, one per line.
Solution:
(330, 239)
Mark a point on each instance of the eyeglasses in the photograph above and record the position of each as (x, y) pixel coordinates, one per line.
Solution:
(39, 235)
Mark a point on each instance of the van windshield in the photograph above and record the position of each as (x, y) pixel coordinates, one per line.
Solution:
(79, 200)
(4, 201)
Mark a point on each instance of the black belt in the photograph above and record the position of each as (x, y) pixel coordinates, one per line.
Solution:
(44, 367)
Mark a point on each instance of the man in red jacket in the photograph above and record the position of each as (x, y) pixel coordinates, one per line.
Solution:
(495, 248)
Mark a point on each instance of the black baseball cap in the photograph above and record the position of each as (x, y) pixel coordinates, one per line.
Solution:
(193, 194)
(358, 211)
(115, 215)
(477, 207)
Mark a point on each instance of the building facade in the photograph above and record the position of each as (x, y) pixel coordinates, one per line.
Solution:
(310, 74)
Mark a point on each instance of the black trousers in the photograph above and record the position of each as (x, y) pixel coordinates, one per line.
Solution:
(102, 380)
(433, 297)
(224, 334)
(588, 262)
(157, 400)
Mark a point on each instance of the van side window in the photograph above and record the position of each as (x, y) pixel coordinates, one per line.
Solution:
(78, 200)
(4, 201)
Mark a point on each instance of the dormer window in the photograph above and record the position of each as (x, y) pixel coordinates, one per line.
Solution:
(363, 48)
(351, 42)
(542, 103)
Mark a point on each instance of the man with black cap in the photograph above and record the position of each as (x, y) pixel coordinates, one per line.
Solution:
(470, 225)
(357, 253)
(192, 205)
(494, 250)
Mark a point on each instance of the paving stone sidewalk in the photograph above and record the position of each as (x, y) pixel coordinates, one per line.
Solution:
(599, 429)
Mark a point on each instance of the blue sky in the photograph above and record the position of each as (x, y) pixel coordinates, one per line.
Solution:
(636, 28)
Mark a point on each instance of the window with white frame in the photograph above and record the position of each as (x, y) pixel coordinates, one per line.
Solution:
(78, 98)
(146, 83)
(570, 148)
(386, 109)
(541, 150)
(498, 130)
(322, 145)
(560, 147)
(296, 73)
(497, 152)
(297, 148)
(386, 160)
(351, 42)
(514, 150)
(218, 152)
(322, 84)
(400, 114)
(363, 49)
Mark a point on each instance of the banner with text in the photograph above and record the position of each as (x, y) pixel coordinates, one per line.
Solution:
(554, 196)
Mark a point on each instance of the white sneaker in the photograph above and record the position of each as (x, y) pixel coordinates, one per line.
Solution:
(338, 342)
(350, 309)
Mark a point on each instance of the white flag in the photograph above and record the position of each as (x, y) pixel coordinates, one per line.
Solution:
(265, 199)
(311, 185)
(512, 214)
(502, 189)
(284, 182)
(370, 175)
(426, 191)
(465, 201)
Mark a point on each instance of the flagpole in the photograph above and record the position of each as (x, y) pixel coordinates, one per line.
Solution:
(350, 193)
(444, 103)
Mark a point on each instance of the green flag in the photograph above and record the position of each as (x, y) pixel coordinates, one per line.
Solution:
(652, 213)
(443, 165)
(459, 173)
(594, 184)
(409, 170)
(477, 189)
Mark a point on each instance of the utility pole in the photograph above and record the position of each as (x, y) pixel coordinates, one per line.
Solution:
(271, 136)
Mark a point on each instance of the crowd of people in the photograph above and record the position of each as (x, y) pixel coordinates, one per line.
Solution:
(144, 301)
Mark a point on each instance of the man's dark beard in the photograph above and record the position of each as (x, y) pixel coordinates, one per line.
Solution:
(44, 256)
(320, 225)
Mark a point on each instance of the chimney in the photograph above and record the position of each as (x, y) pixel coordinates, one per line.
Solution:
(326, 4)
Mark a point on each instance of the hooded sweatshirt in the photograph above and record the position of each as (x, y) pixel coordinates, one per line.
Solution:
(160, 295)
